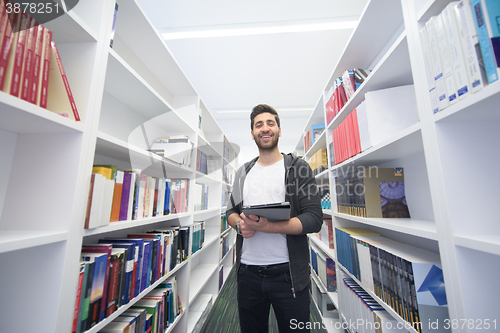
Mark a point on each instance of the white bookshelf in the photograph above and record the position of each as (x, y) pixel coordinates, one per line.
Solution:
(126, 96)
(447, 158)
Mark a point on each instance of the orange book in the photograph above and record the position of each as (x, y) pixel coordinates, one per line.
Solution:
(59, 97)
(117, 197)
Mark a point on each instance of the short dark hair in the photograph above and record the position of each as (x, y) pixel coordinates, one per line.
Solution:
(262, 108)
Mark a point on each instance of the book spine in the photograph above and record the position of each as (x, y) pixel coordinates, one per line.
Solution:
(444, 53)
(29, 60)
(437, 71)
(65, 80)
(43, 82)
(5, 46)
(484, 41)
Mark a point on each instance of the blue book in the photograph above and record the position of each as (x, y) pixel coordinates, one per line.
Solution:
(140, 243)
(484, 41)
(492, 11)
(129, 266)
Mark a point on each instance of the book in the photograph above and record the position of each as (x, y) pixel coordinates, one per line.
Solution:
(470, 45)
(126, 196)
(437, 69)
(100, 281)
(83, 316)
(484, 41)
(95, 203)
(5, 42)
(37, 65)
(273, 212)
(116, 327)
(431, 83)
(117, 196)
(28, 63)
(79, 287)
(16, 54)
(491, 13)
(45, 65)
(59, 96)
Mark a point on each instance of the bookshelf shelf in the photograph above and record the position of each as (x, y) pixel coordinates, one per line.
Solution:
(12, 240)
(324, 247)
(482, 243)
(19, 116)
(127, 96)
(441, 155)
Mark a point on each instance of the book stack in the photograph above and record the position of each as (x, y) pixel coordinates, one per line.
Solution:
(116, 270)
(461, 49)
(326, 233)
(30, 65)
(362, 313)
(324, 267)
(132, 320)
(224, 245)
(383, 114)
(198, 236)
(227, 174)
(319, 162)
(373, 192)
(175, 148)
(124, 195)
(342, 90)
(312, 135)
(201, 162)
(408, 279)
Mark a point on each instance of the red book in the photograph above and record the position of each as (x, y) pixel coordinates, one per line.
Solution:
(43, 82)
(18, 54)
(37, 60)
(59, 97)
(114, 273)
(356, 131)
(29, 55)
(5, 42)
(78, 296)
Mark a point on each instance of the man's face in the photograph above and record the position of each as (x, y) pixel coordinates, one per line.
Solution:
(265, 131)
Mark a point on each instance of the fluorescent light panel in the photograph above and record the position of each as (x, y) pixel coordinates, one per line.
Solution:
(278, 109)
(259, 30)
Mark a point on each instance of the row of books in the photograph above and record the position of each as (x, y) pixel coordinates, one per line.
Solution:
(116, 270)
(225, 245)
(461, 48)
(198, 236)
(362, 313)
(124, 195)
(372, 192)
(225, 195)
(319, 161)
(201, 162)
(342, 90)
(382, 114)
(30, 65)
(312, 135)
(408, 279)
(200, 196)
(324, 267)
(154, 313)
(175, 148)
(223, 222)
(326, 233)
(227, 174)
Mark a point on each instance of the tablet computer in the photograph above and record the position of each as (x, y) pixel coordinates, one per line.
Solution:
(273, 212)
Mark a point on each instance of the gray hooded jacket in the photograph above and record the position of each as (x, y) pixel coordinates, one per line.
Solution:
(305, 202)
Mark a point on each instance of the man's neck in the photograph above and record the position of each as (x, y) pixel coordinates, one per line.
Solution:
(269, 157)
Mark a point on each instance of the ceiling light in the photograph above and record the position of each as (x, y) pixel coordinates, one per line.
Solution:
(278, 109)
(246, 30)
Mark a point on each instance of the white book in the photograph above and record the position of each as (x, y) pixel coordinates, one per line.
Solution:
(389, 111)
(107, 201)
(457, 60)
(431, 84)
(97, 201)
(437, 71)
(444, 52)
(470, 45)
(152, 186)
(364, 135)
(130, 210)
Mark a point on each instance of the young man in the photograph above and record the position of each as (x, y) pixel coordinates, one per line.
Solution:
(273, 257)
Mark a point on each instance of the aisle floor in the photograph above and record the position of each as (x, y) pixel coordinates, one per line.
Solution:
(223, 318)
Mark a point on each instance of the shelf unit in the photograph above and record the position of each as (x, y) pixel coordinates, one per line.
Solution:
(444, 157)
(127, 96)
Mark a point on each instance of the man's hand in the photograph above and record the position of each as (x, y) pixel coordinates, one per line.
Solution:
(246, 230)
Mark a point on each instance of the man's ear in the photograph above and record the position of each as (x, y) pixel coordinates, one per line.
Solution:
(280, 132)
(251, 134)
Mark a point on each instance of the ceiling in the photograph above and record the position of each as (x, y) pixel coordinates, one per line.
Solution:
(262, 51)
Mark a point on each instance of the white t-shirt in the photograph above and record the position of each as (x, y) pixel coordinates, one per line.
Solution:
(264, 185)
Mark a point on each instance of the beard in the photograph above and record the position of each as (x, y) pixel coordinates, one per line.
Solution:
(267, 146)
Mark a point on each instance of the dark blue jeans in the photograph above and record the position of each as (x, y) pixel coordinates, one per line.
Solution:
(256, 293)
